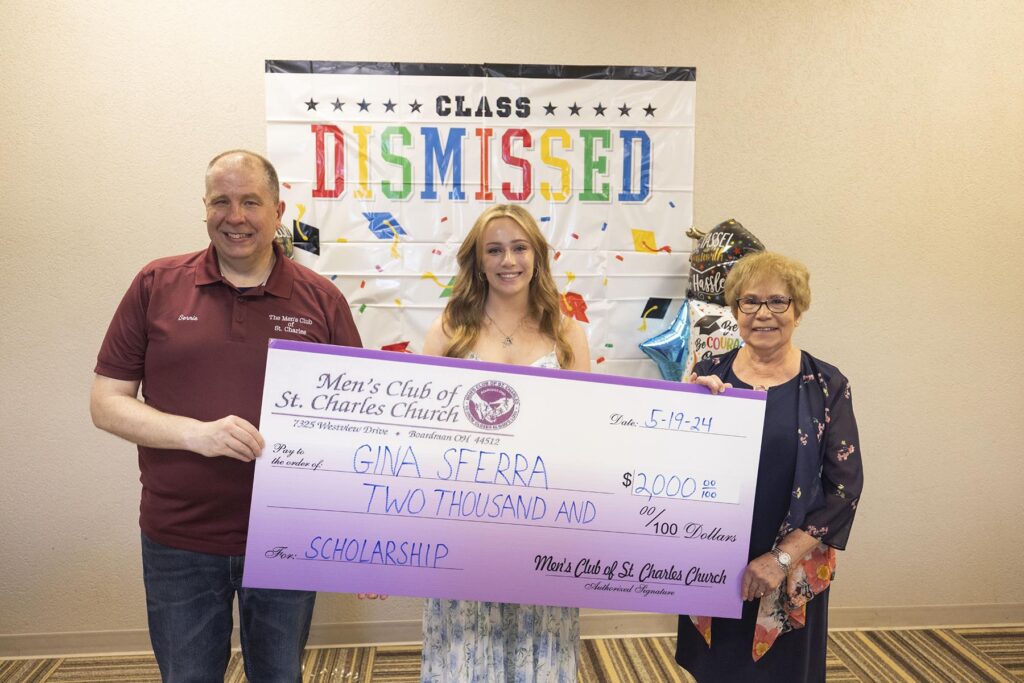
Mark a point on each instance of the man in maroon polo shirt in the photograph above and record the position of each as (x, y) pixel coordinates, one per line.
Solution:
(192, 330)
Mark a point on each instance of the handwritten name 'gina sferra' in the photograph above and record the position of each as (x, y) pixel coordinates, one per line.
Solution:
(458, 464)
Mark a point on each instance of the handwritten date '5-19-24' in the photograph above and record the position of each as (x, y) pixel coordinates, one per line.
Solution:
(675, 420)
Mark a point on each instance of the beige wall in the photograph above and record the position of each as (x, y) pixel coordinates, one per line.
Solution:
(882, 143)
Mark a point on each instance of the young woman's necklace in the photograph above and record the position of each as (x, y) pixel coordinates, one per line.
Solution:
(507, 341)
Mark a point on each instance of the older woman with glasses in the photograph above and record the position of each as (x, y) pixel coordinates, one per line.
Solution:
(808, 483)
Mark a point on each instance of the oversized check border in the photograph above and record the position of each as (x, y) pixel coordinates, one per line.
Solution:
(576, 489)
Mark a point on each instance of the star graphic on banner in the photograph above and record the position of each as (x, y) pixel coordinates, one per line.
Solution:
(389, 105)
(599, 109)
(311, 105)
(624, 110)
(415, 106)
(338, 104)
(574, 109)
(549, 109)
(364, 105)
(649, 110)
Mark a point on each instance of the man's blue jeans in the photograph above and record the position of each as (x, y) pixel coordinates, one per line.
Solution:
(189, 599)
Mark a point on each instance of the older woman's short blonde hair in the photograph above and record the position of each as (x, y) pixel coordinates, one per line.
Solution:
(753, 269)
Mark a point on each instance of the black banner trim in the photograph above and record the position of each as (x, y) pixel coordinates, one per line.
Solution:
(611, 73)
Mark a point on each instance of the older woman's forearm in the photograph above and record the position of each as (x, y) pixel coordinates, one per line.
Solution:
(797, 543)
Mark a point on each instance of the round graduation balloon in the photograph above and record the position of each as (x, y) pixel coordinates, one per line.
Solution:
(713, 258)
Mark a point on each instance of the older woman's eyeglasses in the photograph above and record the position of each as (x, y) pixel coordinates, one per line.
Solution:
(775, 304)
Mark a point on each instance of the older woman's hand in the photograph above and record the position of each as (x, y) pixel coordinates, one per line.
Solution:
(714, 383)
(763, 575)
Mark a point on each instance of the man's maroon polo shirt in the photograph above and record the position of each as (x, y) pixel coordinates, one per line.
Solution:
(200, 348)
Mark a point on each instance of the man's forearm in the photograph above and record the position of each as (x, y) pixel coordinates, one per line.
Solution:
(116, 409)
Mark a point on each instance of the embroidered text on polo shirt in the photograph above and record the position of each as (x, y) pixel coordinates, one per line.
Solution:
(290, 324)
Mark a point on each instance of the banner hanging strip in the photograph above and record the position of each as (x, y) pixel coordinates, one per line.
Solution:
(385, 166)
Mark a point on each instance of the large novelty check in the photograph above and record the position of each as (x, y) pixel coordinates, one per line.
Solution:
(413, 475)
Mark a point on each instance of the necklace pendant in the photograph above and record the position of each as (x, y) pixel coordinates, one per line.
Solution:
(507, 341)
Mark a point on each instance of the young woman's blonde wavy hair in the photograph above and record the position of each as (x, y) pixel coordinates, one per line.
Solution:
(463, 317)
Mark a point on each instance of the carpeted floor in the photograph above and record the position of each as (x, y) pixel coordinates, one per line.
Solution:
(953, 654)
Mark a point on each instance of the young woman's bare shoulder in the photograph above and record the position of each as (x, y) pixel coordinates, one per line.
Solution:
(577, 338)
(437, 340)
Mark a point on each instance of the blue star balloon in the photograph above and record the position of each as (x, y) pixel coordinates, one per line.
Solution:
(669, 348)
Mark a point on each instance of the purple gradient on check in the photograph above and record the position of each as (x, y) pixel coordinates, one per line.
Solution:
(308, 525)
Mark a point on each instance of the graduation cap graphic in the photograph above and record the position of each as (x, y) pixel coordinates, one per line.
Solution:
(656, 308)
(708, 324)
(306, 237)
(574, 306)
(644, 242)
(383, 224)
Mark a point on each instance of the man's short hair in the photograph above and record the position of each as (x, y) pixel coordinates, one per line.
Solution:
(269, 172)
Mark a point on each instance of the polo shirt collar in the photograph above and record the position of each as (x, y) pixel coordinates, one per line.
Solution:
(280, 282)
(208, 271)
(282, 276)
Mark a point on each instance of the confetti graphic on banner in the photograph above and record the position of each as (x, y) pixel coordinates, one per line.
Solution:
(446, 289)
(433, 278)
(383, 182)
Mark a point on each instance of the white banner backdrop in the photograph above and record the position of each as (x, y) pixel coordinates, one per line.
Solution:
(384, 168)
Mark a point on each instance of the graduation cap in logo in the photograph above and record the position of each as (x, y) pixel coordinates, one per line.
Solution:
(383, 224)
(306, 237)
(574, 306)
(708, 324)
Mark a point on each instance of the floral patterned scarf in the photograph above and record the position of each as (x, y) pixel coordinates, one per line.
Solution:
(777, 613)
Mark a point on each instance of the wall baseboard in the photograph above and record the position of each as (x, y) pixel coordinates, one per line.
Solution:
(925, 616)
(592, 625)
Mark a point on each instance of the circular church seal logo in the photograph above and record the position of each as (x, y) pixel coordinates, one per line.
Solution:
(491, 404)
